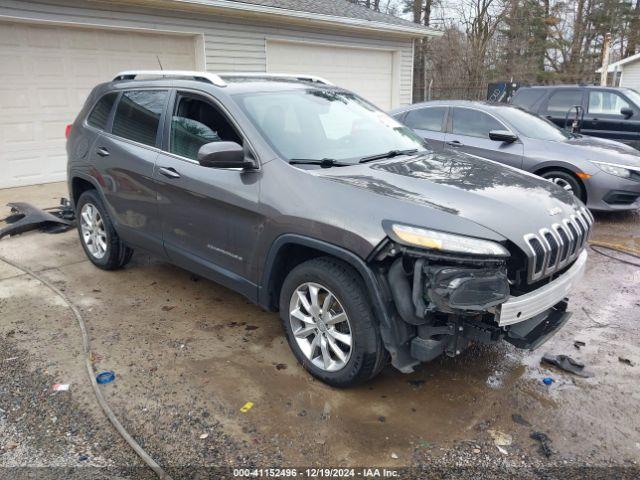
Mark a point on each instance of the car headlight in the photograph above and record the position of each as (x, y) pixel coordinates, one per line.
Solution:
(446, 242)
(617, 170)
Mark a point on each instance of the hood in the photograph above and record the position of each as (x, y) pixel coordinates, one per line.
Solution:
(585, 147)
(503, 199)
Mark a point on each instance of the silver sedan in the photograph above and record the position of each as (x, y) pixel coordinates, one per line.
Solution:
(604, 174)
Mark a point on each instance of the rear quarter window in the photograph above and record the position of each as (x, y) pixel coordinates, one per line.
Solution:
(100, 113)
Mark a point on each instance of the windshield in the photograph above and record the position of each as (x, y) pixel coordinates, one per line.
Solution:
(532, 126)
(633, 96)
(317, 124)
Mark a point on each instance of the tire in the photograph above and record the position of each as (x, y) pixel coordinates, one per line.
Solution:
(366, 356)
(567, 181)
(112, 253)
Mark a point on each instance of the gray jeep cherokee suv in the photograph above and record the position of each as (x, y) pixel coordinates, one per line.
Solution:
(307, 199)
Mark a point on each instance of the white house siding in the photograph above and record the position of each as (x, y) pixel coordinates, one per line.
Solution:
(230, 44)
(631, 75)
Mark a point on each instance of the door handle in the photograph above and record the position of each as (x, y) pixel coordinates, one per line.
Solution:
(103, 152)
(454, 143)
(169, 172)
(594, 121)
(548, 117)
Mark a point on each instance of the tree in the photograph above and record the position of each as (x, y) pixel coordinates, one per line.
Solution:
(633, 41)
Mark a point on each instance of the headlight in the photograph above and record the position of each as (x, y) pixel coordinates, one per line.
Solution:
(447, 242)
(617, 170)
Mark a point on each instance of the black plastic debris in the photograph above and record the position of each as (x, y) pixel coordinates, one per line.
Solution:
(544, 441)
(578, 344)
(626, 361)
(519, 419)
(25, 217)
(567, 364)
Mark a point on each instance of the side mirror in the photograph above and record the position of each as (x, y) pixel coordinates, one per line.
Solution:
(627, 112)
(224, 155)
(503, 136)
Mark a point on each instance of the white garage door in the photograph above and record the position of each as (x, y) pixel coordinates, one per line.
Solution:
(45, 75)
(369, 73)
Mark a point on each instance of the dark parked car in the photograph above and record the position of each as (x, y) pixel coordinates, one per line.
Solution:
(307, 199)
(609, 112)
(604, 174)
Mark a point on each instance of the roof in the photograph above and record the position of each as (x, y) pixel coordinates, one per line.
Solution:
(481, 105)
(616, 65)
(337, 12)
(231, 82)
(336, 8)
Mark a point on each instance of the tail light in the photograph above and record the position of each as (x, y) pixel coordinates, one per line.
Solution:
(67, 131)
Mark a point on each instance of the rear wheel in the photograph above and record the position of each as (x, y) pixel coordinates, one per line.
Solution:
(99, 239)
(329, 323)
(566, 181)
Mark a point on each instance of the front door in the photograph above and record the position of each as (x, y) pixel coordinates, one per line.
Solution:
(210, 220)
(604, 118)
(469, 133)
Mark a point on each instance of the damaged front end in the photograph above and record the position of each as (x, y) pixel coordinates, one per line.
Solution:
(446, 301)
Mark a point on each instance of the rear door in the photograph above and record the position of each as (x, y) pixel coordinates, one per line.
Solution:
(210, 220)
(123, 162)
(603, 117)
(561, 102)
(468, 132)
(429, 123)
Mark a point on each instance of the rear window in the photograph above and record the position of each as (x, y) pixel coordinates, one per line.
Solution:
(527, 97)
(138, 115)
(426, 119)
(100, 114)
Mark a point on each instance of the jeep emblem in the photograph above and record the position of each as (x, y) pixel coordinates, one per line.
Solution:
(554, 211)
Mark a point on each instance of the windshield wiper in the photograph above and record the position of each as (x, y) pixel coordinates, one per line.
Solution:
(389, 154)
(323, 162)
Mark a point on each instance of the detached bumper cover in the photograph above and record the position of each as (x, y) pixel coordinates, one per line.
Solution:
(524, 307)
(532, 333)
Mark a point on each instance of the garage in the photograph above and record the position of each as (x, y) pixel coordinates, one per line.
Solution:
(47, 72)
(366, 71)
(54, 52)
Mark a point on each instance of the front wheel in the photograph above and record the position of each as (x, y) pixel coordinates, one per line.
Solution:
(566, 181)
(329, 323)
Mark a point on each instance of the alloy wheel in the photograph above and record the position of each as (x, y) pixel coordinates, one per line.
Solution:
(561, 182)
(320, 326)
(93, 231)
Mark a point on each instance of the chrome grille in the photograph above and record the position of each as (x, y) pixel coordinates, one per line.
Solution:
(551, 249)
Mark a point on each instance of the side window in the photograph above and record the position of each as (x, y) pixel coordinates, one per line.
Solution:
(562, 100)
(426, 118)
(100, 113)
(138, 115)
(196, 122)
(527, 97)
(474, 123)
(607, 103)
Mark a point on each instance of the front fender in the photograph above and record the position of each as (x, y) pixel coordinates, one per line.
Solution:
(379, 301)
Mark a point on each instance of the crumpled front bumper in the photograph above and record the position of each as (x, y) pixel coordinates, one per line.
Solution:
(524, 307)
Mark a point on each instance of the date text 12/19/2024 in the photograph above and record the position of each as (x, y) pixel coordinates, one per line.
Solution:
(316, 473)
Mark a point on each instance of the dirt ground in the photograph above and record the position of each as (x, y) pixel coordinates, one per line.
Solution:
(188, 354)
